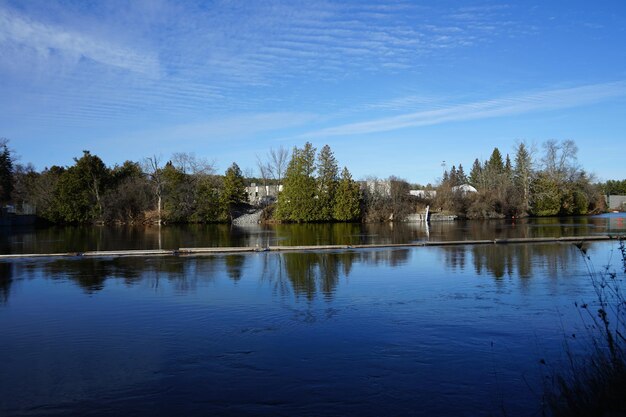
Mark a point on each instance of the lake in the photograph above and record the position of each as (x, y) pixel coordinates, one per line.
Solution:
(459, 330)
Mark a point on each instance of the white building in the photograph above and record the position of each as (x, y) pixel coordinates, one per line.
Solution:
(263, 194)
(464, 188)
(423, 193)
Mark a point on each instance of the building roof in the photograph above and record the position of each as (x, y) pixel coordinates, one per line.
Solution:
(465, 188)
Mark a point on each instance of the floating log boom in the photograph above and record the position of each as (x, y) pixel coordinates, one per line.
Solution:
(308, 248)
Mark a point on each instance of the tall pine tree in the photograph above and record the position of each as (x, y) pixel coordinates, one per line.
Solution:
(453, 177)
(327, 180)
(460, 174)
(495, 165)
(347, 205)
(476, 175)
(508, 168)
(522, 176)
(296, 203)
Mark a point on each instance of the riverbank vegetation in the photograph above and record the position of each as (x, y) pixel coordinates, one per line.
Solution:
(596, 385)
(188, 189)
(554, 184)
(185, 189)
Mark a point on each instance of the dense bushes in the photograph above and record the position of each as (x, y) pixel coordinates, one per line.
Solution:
(387, 200)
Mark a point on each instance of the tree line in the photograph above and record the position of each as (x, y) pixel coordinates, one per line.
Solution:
(552, 184)
(614, 187)
(187, 189)
(183, 189)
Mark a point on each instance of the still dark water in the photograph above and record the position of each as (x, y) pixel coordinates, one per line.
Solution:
(456, 331)
(82, 239)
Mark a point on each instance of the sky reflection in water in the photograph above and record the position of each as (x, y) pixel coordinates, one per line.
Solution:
(423, 331)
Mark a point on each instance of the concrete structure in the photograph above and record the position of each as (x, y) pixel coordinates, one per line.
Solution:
(250, 218)
(263, 194)
(429, 217)
(423, 193)
(616, 202)
(380, 187)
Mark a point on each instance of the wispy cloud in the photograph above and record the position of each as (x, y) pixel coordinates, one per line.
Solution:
(508, 106)
(268, 41)
(242, 126)
(46, 40)
(116, 61)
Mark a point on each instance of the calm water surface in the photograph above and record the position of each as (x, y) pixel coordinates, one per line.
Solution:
(423, 331)
(82, 239)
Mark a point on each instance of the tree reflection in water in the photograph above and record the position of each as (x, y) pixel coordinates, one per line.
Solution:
(234, 266)
(6, 279)
(508, 260)
(91, 274)
(306, 274)
(310, 273)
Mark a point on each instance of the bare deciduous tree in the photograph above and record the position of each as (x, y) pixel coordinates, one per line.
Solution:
(189, 163)
(278, 160)
(264, 172)
(152, 168)
(248, 173)
(560, 159)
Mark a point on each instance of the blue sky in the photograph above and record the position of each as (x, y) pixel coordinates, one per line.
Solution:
(394, 87)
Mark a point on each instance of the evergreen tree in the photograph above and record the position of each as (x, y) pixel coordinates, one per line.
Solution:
(614, 187)
(476, 175)
(296, 202)
(327, 180)
(546, 196)
(307, 158)
(208, 199)
(508, 169)
(96, 175)
(461, 177)
(522, 176)
(80, 190)
(6, 172)
(495, 178)
(178, 198)
(453, 178)
(494, 166)
(347, 204)
(234, 191)
(128, 169)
